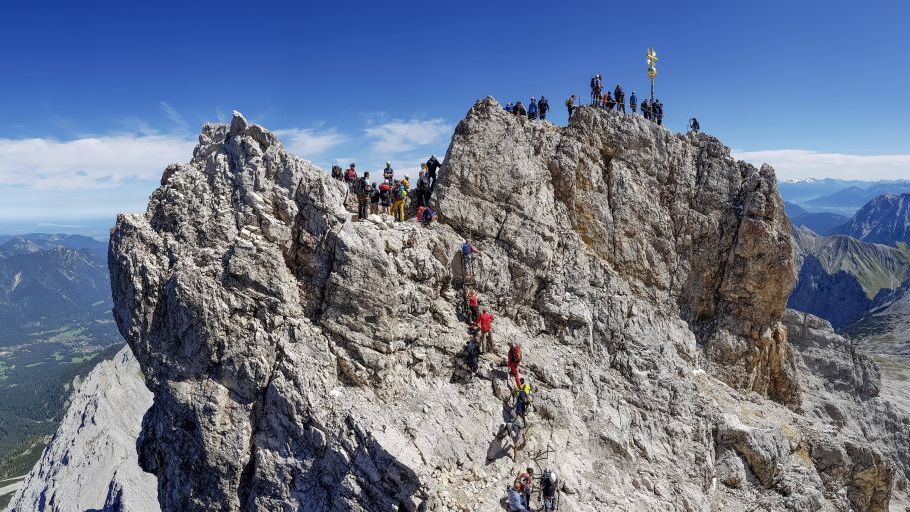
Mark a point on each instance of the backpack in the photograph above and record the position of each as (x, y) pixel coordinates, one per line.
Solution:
(523, 397)
(360, 186)
(350, 175)
(398, 193)
(516, 353)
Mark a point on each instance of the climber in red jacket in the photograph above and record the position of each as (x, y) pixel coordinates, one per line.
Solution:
(514, 359)
(485, 322)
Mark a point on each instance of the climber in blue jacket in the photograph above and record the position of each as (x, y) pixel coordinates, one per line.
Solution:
(532, 109)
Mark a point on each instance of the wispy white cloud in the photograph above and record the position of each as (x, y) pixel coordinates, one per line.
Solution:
(400, 136)
(800, 163)
(180, 123)
(91, 162)
(308, 142)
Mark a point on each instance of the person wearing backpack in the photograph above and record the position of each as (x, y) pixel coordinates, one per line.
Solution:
(570, 105)
(620, 97)
(485, 322)
(423, 188)
(472, 356)
(374, 199)
(398, 196)
(350, 176)
(543, 106)
(522, 401)
(362, 189)
(385, 197)
(514, 359)
(693, 125)
(608, 101)
(549, 490)
(532, 109)
(432, 168)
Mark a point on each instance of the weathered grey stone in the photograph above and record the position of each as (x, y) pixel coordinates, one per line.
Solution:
(91, 462)
(303, 361)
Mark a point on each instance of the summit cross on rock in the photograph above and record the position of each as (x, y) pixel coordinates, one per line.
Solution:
(652, 71)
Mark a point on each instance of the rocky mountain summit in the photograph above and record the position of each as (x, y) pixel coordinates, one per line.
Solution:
(302, 361)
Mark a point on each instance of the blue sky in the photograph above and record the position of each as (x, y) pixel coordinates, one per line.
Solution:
(98, 96)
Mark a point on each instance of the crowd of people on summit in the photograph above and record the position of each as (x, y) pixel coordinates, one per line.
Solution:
(401, 200)
(393, 196)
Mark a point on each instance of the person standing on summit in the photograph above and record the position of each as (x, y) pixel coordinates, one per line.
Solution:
(633, 102)
(543, 106)
(362, 189)
(620, 98)
(432, 168)
(570, 105)
(532, 109)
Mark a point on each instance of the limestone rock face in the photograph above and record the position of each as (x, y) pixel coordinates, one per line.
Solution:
(91, 463)
(301, 361)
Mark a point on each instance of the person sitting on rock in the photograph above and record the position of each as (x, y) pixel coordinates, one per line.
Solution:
(388, 174)
(427, 216)
(608, 101)
(532, 109)
(516, 499)
(543, 106)
(485, 322)
(513, 360)
(522, 401)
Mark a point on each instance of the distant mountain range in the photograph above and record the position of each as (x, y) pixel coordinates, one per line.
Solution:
(47, 281)
(885, 220)
(837, 196)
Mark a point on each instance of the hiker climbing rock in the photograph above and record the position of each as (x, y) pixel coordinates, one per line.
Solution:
(570, 105)
(485, 323)
(473, 306)
(522, 401)
(532, 109)
(526, 479)
(543, 106)
(467, 261)
(432, 169)
(513, 360)
(633, 102)
(693, 125)
(516, 499)
(362, 189)
(472, 355)
(549, 490)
